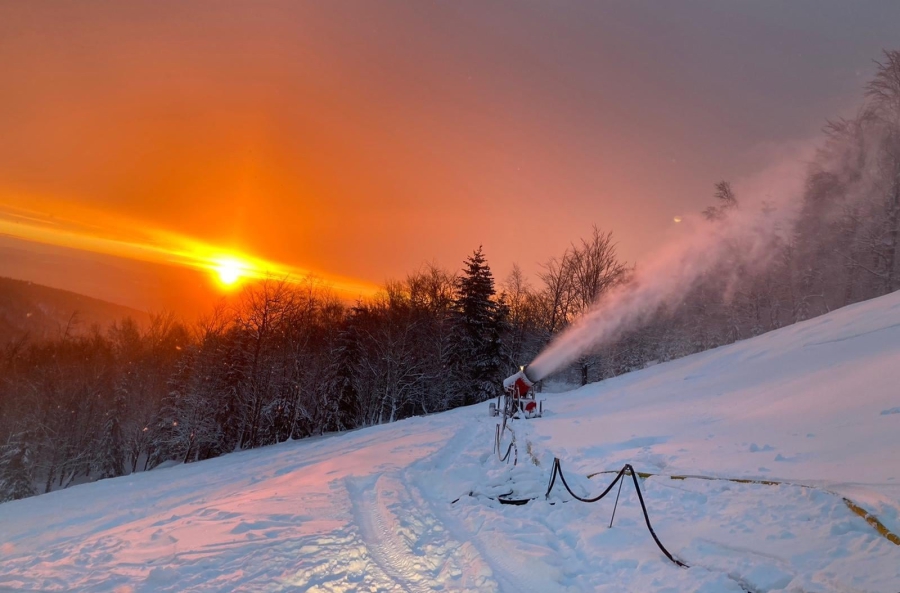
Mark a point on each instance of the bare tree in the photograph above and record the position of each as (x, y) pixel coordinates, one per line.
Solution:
(884, 94)
(557, 296)
(725, 204)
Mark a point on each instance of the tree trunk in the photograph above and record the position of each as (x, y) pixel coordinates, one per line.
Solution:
(893, 221)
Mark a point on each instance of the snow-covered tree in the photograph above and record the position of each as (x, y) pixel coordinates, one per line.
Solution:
(725, 202)
(479, 322)
(109, 455)
(15, 469)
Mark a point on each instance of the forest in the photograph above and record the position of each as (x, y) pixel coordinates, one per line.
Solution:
(286, 359)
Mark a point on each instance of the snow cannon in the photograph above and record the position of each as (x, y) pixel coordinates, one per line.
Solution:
(520, 400)
(519, 383)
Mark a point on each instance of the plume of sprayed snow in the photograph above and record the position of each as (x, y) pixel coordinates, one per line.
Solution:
(769, 203)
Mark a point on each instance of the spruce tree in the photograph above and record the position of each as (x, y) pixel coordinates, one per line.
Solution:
(15, 470)
(479, 319)
(110, 455)
(344, 369)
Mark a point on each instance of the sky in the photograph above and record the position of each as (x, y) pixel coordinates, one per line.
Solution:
(148, 146)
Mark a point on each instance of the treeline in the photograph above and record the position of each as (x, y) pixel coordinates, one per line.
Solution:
(287, 360)
(284, 360)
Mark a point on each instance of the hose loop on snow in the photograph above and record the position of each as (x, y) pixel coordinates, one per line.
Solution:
(626, 470)
(557, 471)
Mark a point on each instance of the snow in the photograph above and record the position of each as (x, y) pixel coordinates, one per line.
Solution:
(812, 406)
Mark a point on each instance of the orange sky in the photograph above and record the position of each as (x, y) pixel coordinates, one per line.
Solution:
(357, 140)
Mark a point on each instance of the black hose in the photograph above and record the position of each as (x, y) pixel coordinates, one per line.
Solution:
(596, 498)
(625, 469)
(647, 520)
(512, 446)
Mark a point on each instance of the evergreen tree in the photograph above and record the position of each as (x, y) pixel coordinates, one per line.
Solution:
(110, 461)
(476, 360)
(15, 473)
(344, 370)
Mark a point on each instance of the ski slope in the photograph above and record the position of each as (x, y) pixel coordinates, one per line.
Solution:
(816, 405)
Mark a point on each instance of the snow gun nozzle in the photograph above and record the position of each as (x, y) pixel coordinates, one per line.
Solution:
(519, 382)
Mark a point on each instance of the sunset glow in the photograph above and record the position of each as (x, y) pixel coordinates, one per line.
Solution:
(230, 270)
(94, 231)
(360, 143)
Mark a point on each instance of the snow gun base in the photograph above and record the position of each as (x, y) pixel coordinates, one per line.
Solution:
(519, 399)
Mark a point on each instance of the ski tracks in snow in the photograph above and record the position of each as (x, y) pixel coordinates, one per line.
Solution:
(516, 566)
(406, 540)
(413, 536)
(409, 543)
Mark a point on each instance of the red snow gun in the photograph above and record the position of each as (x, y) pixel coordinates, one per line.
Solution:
(519, 399)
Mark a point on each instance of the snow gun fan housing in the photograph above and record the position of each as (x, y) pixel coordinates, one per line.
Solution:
(519, 383)
(520, 397)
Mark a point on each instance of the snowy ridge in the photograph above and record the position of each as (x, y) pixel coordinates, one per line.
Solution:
(372, 510)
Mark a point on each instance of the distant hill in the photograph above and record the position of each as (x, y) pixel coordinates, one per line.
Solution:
(44, 312)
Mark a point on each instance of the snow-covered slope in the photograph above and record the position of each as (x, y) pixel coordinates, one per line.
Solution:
(815, 404)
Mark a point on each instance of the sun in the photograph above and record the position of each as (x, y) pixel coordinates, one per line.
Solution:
(230, 270)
